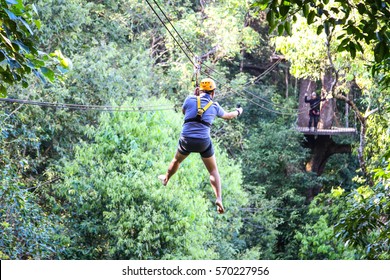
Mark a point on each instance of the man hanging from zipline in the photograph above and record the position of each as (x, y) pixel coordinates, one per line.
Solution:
(199, 113)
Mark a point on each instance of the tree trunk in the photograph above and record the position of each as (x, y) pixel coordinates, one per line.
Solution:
(328, 106)
(286, 79)
(322, 147)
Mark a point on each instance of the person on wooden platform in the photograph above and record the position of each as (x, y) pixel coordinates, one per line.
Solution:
(314, 112)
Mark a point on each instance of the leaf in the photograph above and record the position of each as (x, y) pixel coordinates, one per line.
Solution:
(287, 27)
(359, 47)
(11, 15)
(381, 50)
(306, 9)
(23, 46)
(38, 23)
(62, 69)
(261, 6)
(39, 75)
(294, 18)
(7, 41)
(35, 9)
(335, 10)
(7, 77)
(345, 42)
(3, 91)
(280, 29)
(320, 28)
(310, 17)
(27, 26)
(361, 8)
(341, 48)
(36, 63)
(284, 9)
(48, 73)
(271, 19)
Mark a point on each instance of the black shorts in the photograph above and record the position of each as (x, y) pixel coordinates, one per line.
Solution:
(189, 145)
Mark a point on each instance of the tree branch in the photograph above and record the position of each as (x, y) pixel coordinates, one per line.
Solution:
(367, 114)
(362, 118)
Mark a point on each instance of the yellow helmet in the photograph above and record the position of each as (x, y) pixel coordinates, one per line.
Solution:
(207, 84)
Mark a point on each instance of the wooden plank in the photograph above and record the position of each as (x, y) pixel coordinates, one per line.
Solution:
(332, 131)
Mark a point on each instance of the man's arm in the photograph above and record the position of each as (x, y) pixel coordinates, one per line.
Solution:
(232, 115)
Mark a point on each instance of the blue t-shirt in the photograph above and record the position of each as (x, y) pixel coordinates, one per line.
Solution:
(196, 129)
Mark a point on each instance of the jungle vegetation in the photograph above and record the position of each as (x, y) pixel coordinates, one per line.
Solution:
(80, 181)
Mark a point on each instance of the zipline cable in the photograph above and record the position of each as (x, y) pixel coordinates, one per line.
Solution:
(268, 70)
(181, 38)
(81, 107)
(170, 32)
(149, 107)
(189, 49)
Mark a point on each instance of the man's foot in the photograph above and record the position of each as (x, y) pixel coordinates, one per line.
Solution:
(219, 205)
(163, 179)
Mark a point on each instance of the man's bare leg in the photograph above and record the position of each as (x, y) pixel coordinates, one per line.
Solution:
(215, 181)
(172, 168)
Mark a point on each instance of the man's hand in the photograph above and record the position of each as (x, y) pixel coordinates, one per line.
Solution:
(239, 111)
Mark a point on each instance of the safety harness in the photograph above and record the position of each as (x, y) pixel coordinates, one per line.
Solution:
(201, 111)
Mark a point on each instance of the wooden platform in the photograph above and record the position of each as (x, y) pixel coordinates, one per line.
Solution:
(332, 131)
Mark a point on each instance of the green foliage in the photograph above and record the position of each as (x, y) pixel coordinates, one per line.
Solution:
(112, 72)
(274, 173)
(26, 231)
(365, 225)
(378, 140)
(19, 55)
(316, 239)
(307, 53)
(110, 205)
(116, 208)
(365, 22)
(279, 159)
(64, 25)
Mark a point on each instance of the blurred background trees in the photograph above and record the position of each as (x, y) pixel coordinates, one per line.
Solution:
(82, 184)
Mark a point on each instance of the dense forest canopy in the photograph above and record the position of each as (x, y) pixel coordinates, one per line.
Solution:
(102, 84)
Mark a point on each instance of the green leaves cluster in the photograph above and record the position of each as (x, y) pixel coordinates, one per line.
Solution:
(277, 185)
(365, 224)
(109, 203)
(19, 54)
(116, 208)
(316, 239)
(27, 231)
(360, 22)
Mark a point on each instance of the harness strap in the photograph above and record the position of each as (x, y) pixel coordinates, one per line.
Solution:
(197, 120)
(200, 112)
(207, 105)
